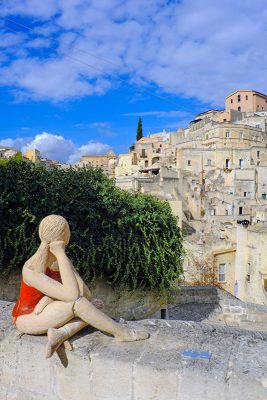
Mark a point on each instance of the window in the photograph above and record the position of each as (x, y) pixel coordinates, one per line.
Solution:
(258, 153)
(240, 210)
(248, 272)
(241, 163)
(238, 97)
(239, 108)
(257, 126)
(213, 211)
(188, 162)
(143, 153)
(222, 274)
(241, 135)
(209, 162)
(245, 194)
(263, 196)
(246, 97)
(207, 135)
(227, 134)
(227, 163)
(226, 212)
(231, 101)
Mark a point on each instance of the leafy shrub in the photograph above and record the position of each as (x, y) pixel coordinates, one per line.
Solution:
(130, 239)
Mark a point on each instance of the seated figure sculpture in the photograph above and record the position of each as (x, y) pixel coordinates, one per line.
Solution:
(53, 297)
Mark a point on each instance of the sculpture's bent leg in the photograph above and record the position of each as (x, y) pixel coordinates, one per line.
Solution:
(61, 314)
(54, 315)
(86, 311)
(57, 336)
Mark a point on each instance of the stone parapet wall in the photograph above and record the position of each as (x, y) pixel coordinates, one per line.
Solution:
(130, 305)
(140, 304)
(180, 361)
(198, 294)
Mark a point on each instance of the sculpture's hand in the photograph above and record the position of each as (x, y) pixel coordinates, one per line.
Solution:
(57, 247)
(42, 304)
(98, 303)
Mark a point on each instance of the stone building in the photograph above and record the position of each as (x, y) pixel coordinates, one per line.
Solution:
(217, 169)
(157, 149)
(33, 155)
(251, 263)
(8, 152)
(246, 101)
(106, 162)
(127, 164)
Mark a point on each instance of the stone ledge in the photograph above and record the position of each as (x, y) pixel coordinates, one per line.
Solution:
(99, 368)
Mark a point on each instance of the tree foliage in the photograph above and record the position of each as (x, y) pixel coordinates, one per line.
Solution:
(139, 132)
(132, 240)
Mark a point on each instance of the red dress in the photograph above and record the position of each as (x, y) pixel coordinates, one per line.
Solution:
(29, 297)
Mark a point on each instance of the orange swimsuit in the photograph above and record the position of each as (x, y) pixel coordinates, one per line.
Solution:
(29, 297)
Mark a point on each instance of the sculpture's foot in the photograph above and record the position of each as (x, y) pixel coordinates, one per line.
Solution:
(55, 339)
(131, 335)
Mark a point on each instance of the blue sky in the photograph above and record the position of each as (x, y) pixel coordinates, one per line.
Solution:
(75, 75)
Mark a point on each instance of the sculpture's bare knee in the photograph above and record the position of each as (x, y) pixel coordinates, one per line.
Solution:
(54, 315)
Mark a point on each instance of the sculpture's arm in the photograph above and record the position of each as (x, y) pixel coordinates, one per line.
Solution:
(68, 290)
(42, 304)
(85, 291)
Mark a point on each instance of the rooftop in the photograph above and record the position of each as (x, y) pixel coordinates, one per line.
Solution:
(246, 90)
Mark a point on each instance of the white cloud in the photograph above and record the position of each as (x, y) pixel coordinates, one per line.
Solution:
(51, 146)
(17, 143)
(92, 148)
(188, 48)
(160, 114)
(56, 147)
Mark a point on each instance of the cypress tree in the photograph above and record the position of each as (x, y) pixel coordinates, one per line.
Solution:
(139, 132)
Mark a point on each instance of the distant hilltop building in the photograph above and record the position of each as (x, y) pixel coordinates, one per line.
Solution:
(8, 152)
(33, 155)
(246, 101)
(106, 162)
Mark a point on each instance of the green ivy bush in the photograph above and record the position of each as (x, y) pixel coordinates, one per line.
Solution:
(132, 240)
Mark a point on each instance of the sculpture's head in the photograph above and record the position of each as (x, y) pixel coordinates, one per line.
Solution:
(54, 227)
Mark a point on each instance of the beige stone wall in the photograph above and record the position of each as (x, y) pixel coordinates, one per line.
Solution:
(251, 263)
(195, 159)
(226, 259)
(127, 164)
(203, 258)
(177, 210)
